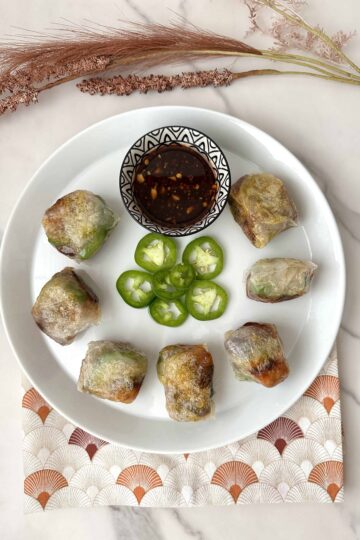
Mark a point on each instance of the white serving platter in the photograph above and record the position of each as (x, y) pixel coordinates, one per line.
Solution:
(308, 325)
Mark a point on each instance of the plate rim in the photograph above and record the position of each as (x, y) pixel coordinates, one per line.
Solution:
(246, 125)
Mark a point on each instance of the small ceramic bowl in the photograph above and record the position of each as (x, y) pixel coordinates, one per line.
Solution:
(166, 136)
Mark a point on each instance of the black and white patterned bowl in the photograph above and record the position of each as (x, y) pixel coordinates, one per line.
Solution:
(166, 136)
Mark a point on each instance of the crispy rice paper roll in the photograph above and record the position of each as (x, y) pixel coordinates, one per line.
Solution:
(276, 280)
(256, 354)
(112, 370)
(186, 371)
(78, 224)
(65, 307)
(261, 205)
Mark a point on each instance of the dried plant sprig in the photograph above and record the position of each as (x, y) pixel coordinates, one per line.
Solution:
(124, 86)
(334, 43)
(288, 35)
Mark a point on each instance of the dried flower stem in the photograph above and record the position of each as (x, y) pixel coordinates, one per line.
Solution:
(293, 17)
(124, 86)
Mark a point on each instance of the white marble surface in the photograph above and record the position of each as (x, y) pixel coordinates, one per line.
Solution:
(319, 122)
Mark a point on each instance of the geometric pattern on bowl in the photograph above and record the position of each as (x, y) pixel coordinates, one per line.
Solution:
(192, 138)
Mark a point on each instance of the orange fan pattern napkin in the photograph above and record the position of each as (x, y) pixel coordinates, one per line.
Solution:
(296, 458)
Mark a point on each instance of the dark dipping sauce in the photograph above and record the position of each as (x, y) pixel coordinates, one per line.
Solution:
(174, 185)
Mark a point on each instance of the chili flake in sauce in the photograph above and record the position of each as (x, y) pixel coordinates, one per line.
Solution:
(174, 185)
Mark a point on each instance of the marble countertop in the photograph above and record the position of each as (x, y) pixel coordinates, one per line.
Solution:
(319, 122)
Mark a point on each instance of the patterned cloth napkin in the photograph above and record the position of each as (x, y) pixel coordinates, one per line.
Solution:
(296, 458)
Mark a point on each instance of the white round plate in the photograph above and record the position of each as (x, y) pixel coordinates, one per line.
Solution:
(308, 325)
